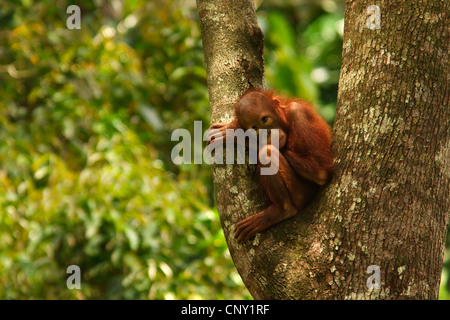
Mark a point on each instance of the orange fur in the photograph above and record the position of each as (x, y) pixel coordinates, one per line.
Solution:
(305, 160)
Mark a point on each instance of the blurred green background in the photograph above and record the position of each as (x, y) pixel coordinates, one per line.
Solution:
(86, 118)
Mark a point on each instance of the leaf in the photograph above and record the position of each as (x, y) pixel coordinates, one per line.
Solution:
(151, 117)
(133, 238)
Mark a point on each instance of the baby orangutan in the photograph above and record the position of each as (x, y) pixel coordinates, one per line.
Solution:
(303, 154)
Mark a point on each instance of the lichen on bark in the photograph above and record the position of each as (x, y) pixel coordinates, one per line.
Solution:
(388, 203)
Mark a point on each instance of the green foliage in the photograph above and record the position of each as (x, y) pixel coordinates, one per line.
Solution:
(444, 292)
(86, 118)
(303, 60)
(85, 177)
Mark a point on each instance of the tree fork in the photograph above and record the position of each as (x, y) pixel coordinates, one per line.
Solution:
(387, 208)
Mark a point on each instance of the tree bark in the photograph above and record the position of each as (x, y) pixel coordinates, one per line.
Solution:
(387, 208)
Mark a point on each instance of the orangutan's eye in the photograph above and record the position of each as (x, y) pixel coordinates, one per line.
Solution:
(264, 119)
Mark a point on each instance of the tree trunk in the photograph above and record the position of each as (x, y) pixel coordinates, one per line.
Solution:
(377, 231)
